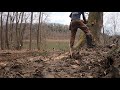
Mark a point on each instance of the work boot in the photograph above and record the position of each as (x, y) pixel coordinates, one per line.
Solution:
(89, 41)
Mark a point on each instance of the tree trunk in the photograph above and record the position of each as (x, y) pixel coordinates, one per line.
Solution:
(6, 33)
(41, 30)
(22, 34)
(17, 44)
(1, 34)
(95, 23)
(11, 28)
(31, 31)
(17, 31)
(38, 32)
(21, 31)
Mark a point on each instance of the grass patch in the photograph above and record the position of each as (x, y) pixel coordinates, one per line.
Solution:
(57, 45)
(39, 53)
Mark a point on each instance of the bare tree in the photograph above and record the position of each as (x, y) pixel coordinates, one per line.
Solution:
(39, 32)
(24, 28)
(31, 31)
(1, 34)
(6, 33)
(12, 18)
(21, 31)
(17, 30)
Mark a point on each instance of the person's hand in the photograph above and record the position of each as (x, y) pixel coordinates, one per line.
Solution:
(85, 22)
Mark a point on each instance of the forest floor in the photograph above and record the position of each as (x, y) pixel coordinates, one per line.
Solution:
(88, 63)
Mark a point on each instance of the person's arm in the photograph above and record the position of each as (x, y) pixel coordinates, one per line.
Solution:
(84, 18)
(70, 15)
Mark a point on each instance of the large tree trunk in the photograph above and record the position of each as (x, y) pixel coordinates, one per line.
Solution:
(95, 23)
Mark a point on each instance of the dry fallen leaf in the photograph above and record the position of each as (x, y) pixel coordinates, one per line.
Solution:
(75, 66)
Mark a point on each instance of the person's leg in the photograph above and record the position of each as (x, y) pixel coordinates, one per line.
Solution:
(72, 40)
(73, 29)
(89, 37)
(72, 37)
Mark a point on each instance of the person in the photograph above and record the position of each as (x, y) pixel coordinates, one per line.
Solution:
(76, 23)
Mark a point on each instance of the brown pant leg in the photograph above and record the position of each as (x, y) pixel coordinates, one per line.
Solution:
(74, 25)
(72, 38)
(86, 30)
(83, 27)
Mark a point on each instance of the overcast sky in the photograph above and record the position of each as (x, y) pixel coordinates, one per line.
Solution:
(59, 17)
(63, 18)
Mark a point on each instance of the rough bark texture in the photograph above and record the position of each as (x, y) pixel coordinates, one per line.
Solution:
(38, 32)
(95, 23)
(6, 33)
(1, 32)
(31, 31)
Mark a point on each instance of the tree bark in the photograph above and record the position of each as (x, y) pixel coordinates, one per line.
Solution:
(12, 18)
(17, 45)
(95, 23)
(17, 31)
(1, 34)
(38, 32)
(31, 31)
(41, 30)
(21, 31)
(6, 33)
